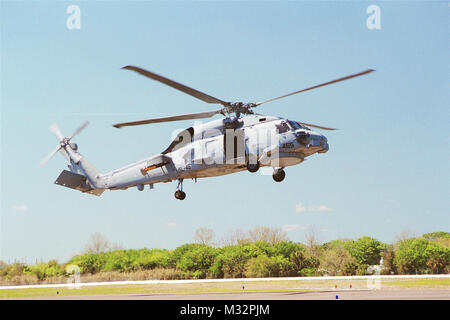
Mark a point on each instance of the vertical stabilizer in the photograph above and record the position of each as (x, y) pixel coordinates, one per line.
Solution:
(83, 176)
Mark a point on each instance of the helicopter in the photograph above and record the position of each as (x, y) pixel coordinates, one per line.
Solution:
(241, 140)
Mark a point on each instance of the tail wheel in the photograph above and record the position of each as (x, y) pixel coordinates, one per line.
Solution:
(279, 175)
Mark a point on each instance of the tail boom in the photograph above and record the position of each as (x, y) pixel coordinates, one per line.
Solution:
(83, 176)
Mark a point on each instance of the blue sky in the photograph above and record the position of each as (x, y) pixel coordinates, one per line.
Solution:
(387, 170)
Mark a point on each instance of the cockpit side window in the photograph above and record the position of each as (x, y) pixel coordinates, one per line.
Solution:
(282, 127)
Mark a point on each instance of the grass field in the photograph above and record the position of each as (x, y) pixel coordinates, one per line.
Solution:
(221, 287)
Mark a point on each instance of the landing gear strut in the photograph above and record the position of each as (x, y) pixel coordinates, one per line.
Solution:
(278, 175)
(180, 194)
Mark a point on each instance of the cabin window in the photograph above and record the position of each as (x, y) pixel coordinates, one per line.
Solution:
(183, 138)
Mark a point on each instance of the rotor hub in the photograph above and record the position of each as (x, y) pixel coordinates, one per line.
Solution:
(240, 108)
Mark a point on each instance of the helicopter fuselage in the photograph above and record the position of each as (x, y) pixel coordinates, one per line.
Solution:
(222, 147)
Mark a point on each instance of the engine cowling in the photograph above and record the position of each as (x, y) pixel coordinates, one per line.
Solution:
(73, 146)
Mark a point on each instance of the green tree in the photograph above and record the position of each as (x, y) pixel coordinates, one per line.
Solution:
(441, 238)
(230, 262)
(338, 261)
(436, 235)
(388, 261)
(418, 256)
(287, 248)
(264, 266)
(367, 250)
(304, 262)
(438, 258)
(339, 243)
(197, 260)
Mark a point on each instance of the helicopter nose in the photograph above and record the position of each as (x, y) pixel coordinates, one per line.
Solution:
(310, 139)
(302, 137)
(318, 140)
(324, 144)
(315, 140)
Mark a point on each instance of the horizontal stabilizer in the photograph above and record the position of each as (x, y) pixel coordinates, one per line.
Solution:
(76, 181)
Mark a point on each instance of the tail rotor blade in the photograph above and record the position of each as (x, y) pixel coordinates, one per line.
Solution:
(50, 155)
(54, 128)
(84, 125)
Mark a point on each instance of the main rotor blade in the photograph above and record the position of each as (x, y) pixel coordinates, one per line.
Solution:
(181, 87)
(319, 85)
(54, 128)
(199, 115)
(79, 130)
(51, 154)
(315, 126)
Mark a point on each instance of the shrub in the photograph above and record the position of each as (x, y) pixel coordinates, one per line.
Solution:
(90, 262)
(151, 259)
(14, 270)
(264, 266)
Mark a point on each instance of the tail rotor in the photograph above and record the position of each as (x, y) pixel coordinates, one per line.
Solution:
(63, 141)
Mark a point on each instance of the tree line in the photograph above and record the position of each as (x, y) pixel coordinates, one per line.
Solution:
(261, 252)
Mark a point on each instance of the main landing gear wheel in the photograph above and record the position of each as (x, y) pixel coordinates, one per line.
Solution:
(279, 175)
(253, 167)
(180, 195)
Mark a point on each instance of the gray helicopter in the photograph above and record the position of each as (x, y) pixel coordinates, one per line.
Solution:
(241, 140)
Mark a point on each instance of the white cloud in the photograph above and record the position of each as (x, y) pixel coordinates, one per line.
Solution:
(323, 208)
(328, 230)
(292, 227)
(172, 225)
(300, 208)
(289, 227)
(20, 207)
(320, 208)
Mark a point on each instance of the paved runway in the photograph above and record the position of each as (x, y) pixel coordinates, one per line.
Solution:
(397, 294)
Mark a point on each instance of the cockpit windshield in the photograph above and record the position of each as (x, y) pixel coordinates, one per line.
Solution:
(296, 125)
(282, 127)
